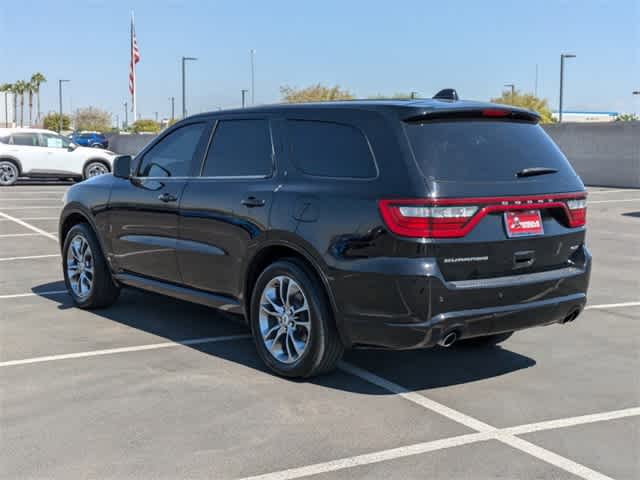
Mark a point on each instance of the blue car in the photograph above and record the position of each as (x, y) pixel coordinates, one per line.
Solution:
(89, 139)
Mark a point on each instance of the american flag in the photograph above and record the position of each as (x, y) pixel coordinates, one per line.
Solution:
(135, 58)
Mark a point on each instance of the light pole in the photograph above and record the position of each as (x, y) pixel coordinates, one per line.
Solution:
(156, 115)
(173, 107)
(253, 77)
(562, 57)
(244, 92)
(513, 90)
(60, 82)
(184, 94)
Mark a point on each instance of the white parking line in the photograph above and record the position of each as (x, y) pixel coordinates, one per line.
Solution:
(32, 218)
(34, 207)
(111, 351)
(28, 225)
(33, 294)
(32, 257)
(502, 436)
(12, 235)
(614, 201)
(612, 305)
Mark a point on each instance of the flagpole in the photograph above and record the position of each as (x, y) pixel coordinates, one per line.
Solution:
(133, 71)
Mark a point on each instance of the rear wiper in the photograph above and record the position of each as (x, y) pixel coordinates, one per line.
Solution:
(533, 171)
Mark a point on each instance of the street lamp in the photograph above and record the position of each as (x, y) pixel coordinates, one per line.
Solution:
(562, 57)
(253, 78)
(244, 92)
(60, 82)
(184, 95)
(636, 92)
(513, 90)
(173, 107)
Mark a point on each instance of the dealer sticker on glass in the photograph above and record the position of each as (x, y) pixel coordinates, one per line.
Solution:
(522, 223)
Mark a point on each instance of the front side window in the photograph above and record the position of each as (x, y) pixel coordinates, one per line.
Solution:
(325, 149)
(173, 155)
(25, 139)
(51, 140)
(240, 148)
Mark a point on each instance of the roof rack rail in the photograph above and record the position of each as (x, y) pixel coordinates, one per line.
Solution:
(447, 94)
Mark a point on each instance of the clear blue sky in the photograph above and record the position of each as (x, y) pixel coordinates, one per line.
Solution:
(368, 47)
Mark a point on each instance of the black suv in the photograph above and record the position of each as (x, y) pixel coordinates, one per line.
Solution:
(388, 224)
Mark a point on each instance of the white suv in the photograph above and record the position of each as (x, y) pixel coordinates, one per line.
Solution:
(43, 153)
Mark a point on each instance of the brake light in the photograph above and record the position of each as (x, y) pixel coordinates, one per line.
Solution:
(495, 112)
(455, 217)
(577, 212)
(416, 218)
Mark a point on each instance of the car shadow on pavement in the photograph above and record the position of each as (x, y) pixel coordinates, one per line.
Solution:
(176, 320)
(632, 214)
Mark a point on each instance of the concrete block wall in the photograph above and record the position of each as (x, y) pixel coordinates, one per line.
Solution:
(603, 154)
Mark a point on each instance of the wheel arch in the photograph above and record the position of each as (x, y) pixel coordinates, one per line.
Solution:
(277, 250)
(72, 215)
(98, 160)
(14, 160)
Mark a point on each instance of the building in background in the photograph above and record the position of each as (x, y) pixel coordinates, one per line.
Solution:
(584, 117)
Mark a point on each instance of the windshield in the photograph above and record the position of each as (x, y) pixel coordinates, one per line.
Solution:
(482, 150)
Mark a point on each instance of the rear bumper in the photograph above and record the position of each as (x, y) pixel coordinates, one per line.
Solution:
(406, 303)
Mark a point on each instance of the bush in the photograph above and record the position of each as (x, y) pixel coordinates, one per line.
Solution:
(92, 119)
(314, 93)
(145, 126)
(52, 121)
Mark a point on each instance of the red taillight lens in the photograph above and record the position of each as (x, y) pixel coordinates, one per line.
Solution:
(495, 112)
(417, 218)
(577, 212)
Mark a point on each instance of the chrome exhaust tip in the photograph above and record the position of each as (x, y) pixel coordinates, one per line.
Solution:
(448, 340)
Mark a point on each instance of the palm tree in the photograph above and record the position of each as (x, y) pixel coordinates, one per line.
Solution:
(21, 87)
(6, 89)
(30, 88)
(14, 92)
(37, 79)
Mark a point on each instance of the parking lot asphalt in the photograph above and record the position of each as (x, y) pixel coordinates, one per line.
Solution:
(158, 388)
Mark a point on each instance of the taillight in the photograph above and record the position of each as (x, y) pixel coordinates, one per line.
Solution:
(455, 217)
(577, 212)
(416, 218)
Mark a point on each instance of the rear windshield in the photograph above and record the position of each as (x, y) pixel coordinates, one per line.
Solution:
(482, 150)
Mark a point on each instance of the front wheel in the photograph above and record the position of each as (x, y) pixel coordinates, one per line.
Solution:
(291, 321)
(8, 173)
(94, 169)
(86, 273)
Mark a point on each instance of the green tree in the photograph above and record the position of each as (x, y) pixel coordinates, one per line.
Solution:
(314, 93)
(6, 88)
(627, 117)
(528, 101)
(145, 125)
(20, 87)
(92, 119)
(37, 79)
(52, 121)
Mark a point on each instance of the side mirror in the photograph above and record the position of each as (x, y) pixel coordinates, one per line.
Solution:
(122, 166)
(72, 147)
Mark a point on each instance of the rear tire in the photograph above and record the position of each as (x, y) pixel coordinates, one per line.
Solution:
(86, 273)
(291, 322)
(486, 341)
(8, 173)
(93, 169)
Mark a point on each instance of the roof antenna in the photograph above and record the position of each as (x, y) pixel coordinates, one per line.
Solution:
(446, 94)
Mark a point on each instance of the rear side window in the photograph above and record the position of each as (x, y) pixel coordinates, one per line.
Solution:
(482, 150)
(26, 139)
(324, 149)
(173, 155)
(240, 148)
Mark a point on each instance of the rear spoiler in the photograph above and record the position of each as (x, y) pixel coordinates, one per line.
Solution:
(493, 113)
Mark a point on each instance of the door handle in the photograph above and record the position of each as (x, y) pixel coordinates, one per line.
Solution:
(167, 197)
(251, 202)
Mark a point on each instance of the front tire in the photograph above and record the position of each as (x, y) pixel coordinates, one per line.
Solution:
(8, 173)
(291, 322)
(86, 273)
(93, 169)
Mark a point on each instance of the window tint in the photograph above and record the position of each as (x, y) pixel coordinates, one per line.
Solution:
(239, 148)
(482, 150)
(27, 139)
(173, 155)
(54, 141)
(326, 149)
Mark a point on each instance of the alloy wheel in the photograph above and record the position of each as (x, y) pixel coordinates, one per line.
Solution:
(80, 267)
(8, 173)
(96, 169)
(284, 319)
